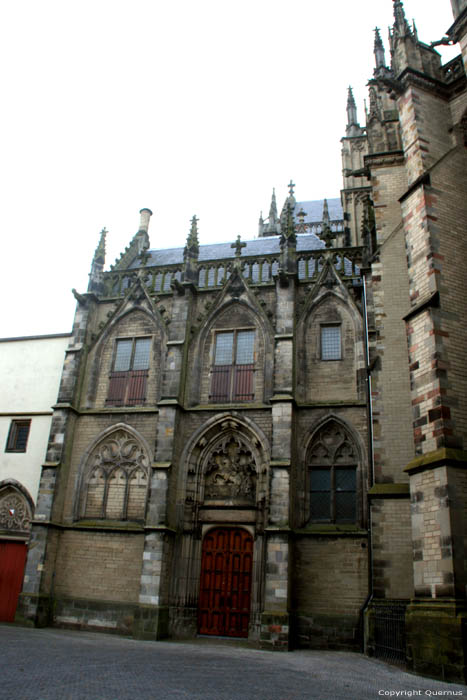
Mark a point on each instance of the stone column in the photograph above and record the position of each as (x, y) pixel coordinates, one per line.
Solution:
(436, 621)
(275, 618)
(152, 617)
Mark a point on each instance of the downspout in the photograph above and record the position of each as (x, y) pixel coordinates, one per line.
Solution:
(371, 460)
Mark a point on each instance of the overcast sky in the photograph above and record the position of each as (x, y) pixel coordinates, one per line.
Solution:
(186, 107)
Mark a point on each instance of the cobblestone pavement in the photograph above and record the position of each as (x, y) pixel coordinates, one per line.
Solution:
(51, 664)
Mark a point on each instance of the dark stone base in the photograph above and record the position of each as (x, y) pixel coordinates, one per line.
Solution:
(436, 631)
(34, 610)
(151, 622)
(129, 619)
(274, 635)
(334, 632)
(183, 622)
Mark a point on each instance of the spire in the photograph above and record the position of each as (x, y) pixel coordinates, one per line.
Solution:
(400, 22)
(326, 233)
(192, 238)
(351, 109)
(273, 208)
(326, 219)
(97, 265)
(287, 221)
(261, 225)
(380, 58)
(288, 240)
(191, 252)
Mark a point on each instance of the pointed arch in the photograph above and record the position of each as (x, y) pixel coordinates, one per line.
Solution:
(16, 508)
(114, 476)
(330, 317)
(233, 315)
(149, 324)
(226, 460)
(335, 473)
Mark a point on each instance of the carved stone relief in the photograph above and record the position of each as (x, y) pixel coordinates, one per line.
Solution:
(230, 473)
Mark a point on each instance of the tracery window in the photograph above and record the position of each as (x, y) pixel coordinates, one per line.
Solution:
(117, 480)
(333, 488)
(130, 369)
(233, 367)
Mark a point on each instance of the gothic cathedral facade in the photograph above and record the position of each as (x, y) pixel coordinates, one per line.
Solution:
(268, 439)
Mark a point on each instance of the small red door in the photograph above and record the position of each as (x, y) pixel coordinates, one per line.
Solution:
(225, 588)
(12, 560)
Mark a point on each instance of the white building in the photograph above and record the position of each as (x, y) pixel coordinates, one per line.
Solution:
(30, 375)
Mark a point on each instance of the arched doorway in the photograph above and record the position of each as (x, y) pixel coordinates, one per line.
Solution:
(15, 519)
(225, 585)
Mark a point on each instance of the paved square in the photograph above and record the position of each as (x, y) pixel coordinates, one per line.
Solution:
(52, 664)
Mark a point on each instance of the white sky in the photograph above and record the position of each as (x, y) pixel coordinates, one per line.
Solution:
(186, 107)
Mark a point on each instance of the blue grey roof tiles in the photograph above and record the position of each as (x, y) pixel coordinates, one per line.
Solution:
(314, 210)
(220, 251)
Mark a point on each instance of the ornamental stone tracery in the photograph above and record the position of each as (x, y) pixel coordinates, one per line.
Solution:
(117, 479)
(332, 445)
(14, 512)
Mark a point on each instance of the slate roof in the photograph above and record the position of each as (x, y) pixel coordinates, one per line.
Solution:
(219, 251)
(314, 209)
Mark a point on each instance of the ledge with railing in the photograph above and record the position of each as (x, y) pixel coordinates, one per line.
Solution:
(256, 271)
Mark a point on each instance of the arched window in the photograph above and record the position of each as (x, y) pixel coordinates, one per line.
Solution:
(116, 480)
(333, 476)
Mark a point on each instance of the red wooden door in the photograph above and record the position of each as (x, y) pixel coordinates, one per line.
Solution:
(224, 597)
(12, 560)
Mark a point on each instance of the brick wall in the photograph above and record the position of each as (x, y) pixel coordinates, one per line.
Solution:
(99, 566)
(330, 588)
(392, 548)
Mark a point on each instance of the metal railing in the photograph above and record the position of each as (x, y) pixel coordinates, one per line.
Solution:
(389, 630)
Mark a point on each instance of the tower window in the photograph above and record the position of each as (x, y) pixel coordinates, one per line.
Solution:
(331, 343)
(18, 436)
(233, 368)
(130, 369)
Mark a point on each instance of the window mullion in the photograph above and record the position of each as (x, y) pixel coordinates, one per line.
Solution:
(234, 366)
(333, 494)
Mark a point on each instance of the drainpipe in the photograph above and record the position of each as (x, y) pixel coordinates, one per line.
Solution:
(370, 458)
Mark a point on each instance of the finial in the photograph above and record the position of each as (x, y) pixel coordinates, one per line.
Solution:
(326, 211)
(289, 232)
(380, 57)
(192, 246)
(351, 109)
(100, 250)
(400, 21)
(97, 265)
(291, 186)
(273, 208)
(238, 245)
(194, 228)
(326, 234)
